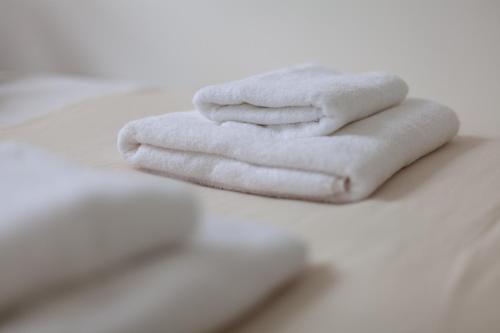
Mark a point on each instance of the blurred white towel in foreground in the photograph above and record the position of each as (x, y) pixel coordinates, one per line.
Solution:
(301, 100)
(88, 251)
(346, 166)
(60, 222)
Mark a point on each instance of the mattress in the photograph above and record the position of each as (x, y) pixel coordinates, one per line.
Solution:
(422, 254)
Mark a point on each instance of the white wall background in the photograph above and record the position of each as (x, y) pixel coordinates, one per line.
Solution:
(447, 50)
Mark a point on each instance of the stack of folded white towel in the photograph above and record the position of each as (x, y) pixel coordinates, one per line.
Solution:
(86, 251)
(303, 132)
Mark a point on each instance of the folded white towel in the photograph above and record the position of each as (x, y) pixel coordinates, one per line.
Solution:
(224, 270)
(60, 222)
(301, 100)
(346, 166)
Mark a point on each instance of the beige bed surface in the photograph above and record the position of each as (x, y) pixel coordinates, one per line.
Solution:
(421, 255)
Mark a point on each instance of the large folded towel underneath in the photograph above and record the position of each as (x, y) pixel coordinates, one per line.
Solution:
(60, 222)
(346, 166)
(225, 269)
(301, 100)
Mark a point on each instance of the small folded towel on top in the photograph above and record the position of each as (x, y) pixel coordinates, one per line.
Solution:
(345, 166)
(301, 100)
